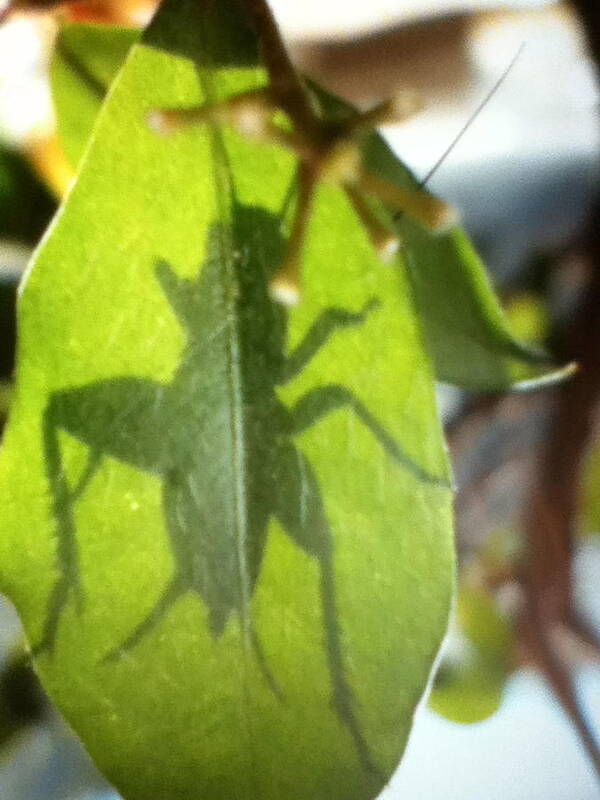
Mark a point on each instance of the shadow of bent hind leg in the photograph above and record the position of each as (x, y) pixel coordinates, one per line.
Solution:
(69, 579)
(124, 418)
(299, 509)
(169, 596)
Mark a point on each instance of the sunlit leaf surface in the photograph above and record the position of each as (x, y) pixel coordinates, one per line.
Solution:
(86, 60)
(227, 527)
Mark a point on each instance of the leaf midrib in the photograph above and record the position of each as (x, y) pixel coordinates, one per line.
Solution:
(224, 191)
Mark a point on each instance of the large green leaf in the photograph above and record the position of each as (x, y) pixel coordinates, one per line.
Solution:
(227, 528)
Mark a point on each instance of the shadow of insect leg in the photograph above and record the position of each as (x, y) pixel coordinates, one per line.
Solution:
(326, 324)
(206, 559)
(324, 399)
(107, 417)
(63, 498)
(170, 595)
(299, 509)
(264, 667)
(181, 523)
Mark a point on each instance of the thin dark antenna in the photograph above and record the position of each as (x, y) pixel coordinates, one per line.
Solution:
(473, 117)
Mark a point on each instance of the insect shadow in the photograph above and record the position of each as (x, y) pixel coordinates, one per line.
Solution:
(218, 424)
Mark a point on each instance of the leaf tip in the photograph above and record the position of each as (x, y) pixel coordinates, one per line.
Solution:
(548, 380)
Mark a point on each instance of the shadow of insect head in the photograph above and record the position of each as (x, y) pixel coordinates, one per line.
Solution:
(222, 445)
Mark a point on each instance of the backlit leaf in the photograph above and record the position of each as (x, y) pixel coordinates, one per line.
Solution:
(86, 60)
(227, 528)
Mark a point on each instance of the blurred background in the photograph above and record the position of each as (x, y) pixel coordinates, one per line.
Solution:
(514, 711)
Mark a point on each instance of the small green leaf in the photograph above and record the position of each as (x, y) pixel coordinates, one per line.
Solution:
(85, 62)
(468, 692)
(226, 527)
(590, 505)
(466, 332)
(468, 687)
(528, 317)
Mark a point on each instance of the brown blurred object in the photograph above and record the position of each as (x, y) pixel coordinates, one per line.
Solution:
(46, 156)
(117, 12)
(432, 56)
